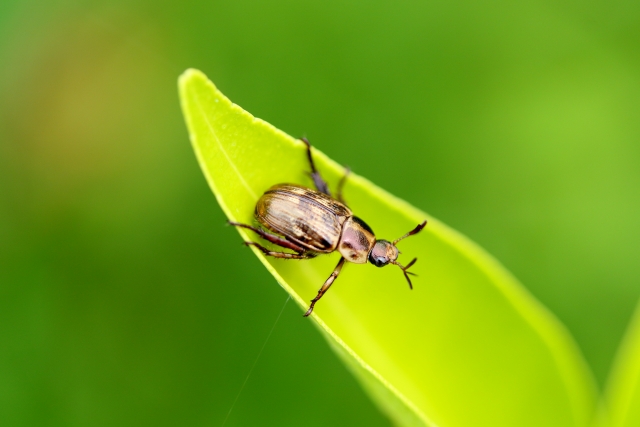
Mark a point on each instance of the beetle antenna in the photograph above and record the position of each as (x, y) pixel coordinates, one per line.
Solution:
(412, 232)
(404, 269)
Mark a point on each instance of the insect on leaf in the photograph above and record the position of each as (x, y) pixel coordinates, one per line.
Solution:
(467, 347)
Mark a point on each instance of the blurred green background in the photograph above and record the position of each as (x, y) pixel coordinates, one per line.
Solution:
(124, 300)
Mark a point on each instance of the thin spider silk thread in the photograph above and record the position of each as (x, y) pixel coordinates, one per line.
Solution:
(255, 362)
(135, 42)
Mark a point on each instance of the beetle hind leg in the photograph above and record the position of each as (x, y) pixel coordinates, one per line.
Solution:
(277, 240)
(285, 255)
(321, 184)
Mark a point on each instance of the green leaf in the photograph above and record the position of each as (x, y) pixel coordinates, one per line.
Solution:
(467, 347)
(623, 390)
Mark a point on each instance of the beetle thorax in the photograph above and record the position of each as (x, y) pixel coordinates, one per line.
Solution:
(356, 241)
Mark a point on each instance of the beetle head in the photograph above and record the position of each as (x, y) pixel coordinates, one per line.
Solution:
(385, 252)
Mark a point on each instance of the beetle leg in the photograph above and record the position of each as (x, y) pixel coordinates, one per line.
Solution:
(339, 197)
(326, 285)
(304, 255)
(321, 184)
(270, 237)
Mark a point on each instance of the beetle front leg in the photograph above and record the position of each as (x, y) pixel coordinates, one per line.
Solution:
(326, 285)
(321, 184)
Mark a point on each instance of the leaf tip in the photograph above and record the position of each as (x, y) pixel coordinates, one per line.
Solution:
(188, 74)
(190, 77)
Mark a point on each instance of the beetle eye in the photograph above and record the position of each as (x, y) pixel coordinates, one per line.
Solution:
(379, 255)
(378, 261)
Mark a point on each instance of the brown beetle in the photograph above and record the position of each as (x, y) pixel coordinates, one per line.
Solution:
(312, 222)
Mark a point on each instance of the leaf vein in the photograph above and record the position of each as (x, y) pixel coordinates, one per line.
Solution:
(224, 152)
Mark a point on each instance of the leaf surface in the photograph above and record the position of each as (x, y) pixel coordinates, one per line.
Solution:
(467, 347)
(623, 391)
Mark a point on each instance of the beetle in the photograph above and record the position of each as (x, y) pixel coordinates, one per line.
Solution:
(312, 222)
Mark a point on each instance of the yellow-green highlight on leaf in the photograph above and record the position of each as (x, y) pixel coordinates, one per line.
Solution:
(467, 347)
(623, 390)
